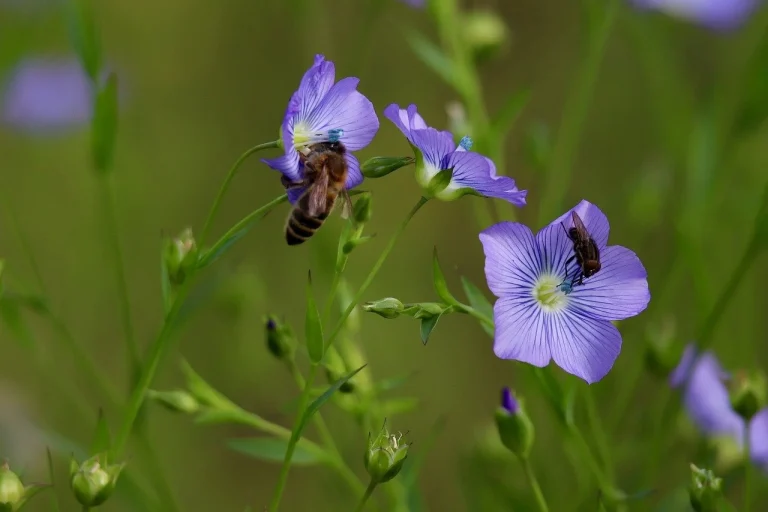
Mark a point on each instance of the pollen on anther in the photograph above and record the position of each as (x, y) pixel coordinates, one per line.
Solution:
(335, 134)
(466, 142)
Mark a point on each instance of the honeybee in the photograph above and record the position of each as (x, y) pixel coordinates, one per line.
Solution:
(325, 176)
(585, 252)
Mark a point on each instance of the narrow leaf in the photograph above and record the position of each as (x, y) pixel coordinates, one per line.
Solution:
(479, 302)
(428, 324)
(85, 37)
(313, 329)
(104, 125)
(319, 401)
(273, 450)
(510, 111)
(55, 505)
(441, 286)
(165, 285)
(102, 440)
(432, 56)
(11, 316)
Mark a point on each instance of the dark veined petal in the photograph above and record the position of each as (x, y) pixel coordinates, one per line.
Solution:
(354, 175)
(434, 145)
(707, 402)
(472, 170)
(681, 371)
(582, 345)
(288, 164)
(315, 84)
(618, 291)
(512, 261)
(595, 221)
(521, 331)
(758, 439)
(714, 14)
(405, 119)
(344, 108)
(555, 248)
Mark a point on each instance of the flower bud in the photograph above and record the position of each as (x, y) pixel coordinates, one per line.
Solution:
(11, 489)
(425, 309)
(380, 166)
(363, 209)
(93, 483)
(515, 428)
(180, 256)
(351, 245)
(176, 401)
(385, 455)
(280, 340)
(747, 394)
(388, 308)
(485, 33)
(705, 490)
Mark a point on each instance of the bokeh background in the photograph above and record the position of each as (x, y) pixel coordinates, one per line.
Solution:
(203, 81)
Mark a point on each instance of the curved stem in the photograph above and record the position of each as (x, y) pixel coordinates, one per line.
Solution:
(283, 478)
(368, 492)
(225, 186)
(534, 483)
(375, 270)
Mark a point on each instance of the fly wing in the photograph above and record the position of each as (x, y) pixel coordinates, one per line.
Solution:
(318, 194)
(581, 229)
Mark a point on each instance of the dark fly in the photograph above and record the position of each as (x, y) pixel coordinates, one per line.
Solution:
(585, 253)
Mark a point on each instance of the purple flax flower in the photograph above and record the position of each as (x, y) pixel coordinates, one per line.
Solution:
(435, 151)
(418, 4)
(321, 111)
(706, 399)
(539, 316)
(715, 14)
(47, 95)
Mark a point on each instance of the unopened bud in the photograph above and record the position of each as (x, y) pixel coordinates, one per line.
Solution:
(176, 401)
(180, 256)
(485, 33)
(11, 489)
(385, 455)
(363, 209)
(380, 166)
(748, 394)
(387, 308)
(425, 309)
(515, 428)
(92, 482)
(280, 340)
(705, 490)
(353, 244)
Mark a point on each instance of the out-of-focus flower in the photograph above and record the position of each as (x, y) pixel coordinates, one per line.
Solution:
(715, 14)
(706, 400)
(14, 494)
(47, 95)
(538, 317)
(436, 154)
(418, 4)
(94, 481)
(705, 490)
(321, 111)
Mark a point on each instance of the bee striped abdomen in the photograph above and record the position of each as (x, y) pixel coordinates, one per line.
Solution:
(301, 226)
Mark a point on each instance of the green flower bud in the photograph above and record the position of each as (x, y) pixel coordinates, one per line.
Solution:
(748, 394)
(515, 428)
(426, 309)
(351, 245)
(11, 489)
(485, 33)
(705, 490)
(363, 209)
(176, 401)
(280, 340)
(385, 456)
(93, 483)
(387, 308)
(180, 256)
(380, 166)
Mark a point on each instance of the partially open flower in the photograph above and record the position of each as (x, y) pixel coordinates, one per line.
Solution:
(93, 482)
(385, 455)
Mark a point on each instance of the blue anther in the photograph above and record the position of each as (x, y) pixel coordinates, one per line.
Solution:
(335, 134)
(466, 142)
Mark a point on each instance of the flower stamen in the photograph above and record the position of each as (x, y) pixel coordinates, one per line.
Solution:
(549, 293)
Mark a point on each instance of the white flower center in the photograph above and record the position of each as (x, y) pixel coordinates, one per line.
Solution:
(549, 294)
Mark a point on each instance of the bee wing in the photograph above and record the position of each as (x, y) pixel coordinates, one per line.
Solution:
(318, 195)
(581, 229)
(346, 204)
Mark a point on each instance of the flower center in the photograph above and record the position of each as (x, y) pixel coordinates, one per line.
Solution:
(303, 135)
(549, 294)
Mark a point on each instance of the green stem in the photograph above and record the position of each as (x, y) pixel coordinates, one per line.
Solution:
(368, 492)
(283, 478)
(161, 345)
(113, 241)
(601, 437)
(225, 186)
(575, 112)
(322, 428)
(747, 470)
(534, 483)
(375, 270)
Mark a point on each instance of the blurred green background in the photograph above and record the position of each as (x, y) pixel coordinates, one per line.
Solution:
(204, 81)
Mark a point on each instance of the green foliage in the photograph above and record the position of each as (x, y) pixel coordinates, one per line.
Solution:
(104, 128)
(273, 450)
(313, 328)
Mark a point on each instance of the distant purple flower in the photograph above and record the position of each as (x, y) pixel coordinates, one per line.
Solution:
(509, 402)
(472, 173)
(707, 402)
(46, 94)
(538, 318)
(415, 3)
(321, 111)
(715, 14)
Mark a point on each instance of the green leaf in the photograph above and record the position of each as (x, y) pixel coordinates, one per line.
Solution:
(11, 316)
(754, 106)
(102, 440)
(509, 112)
(273, 450)
(165, 285)
(428, 324)
(104, 125)
(478, 302)
(204, 392)
(85, 37)
(313, 328)
(319, 401)
(432, 56)
(441, 286)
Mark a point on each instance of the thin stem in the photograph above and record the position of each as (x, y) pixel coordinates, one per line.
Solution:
(574, 114)
(747, 470)
(225, 186)
(322, 428)
(375, 270)
(113, 241)
(368, 492)
(283, 478)
(534, 483)
(161, 345)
